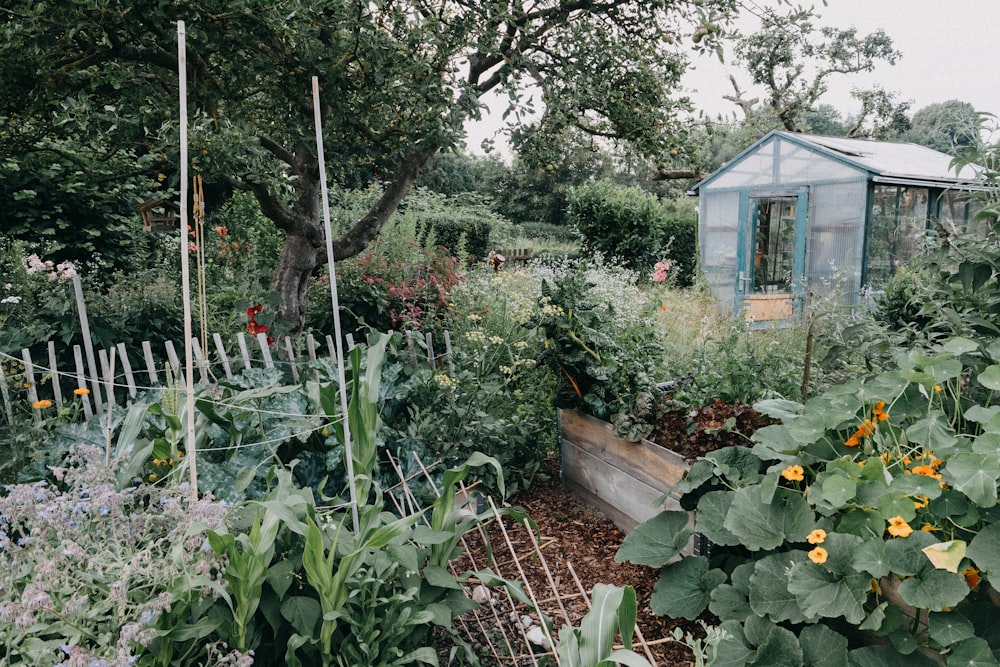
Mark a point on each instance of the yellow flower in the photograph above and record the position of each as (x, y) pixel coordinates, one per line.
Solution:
(817, 536)
(898, 527)
(927, 527)
(818, 555)
(152, 478)
(81, 391)
(937, 388)
(42, 404)
(793, 473)
(921, 502)
(180, 454)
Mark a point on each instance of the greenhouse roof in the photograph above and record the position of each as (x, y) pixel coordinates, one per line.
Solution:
(887, 162)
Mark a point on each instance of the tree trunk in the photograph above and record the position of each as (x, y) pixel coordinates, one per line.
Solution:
(299, 258)
(305, 247)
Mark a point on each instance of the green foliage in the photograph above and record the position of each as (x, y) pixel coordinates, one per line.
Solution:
(603, 362)
(378, 293)
(625, 224)
(460, 224)
(868, 511)
(680, 244)
(612, 612)
(950, 127)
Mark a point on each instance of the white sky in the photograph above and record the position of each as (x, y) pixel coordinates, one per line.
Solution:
(950, 50)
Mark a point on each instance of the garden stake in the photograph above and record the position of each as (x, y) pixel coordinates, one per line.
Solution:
(189, 442)
(348, 451)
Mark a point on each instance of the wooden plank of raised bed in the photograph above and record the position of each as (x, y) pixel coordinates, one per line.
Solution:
(654, 465)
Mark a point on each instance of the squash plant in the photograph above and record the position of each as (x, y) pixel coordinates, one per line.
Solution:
(863, 529)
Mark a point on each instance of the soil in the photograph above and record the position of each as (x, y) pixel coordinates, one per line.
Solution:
(573, 537)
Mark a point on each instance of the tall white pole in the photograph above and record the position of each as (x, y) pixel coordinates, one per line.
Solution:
(348, 450)
(189, 441)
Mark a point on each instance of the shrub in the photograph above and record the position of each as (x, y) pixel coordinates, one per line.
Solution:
(377, 293)
(680, 243)
(625, 224)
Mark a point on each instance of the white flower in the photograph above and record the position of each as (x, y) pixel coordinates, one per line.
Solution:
(11, 299)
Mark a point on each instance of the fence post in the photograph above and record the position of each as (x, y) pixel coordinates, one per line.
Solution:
(56, 389)
(88, 345)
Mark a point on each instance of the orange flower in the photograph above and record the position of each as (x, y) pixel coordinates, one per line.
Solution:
(898, 527)
(818, 555)
(81, 391)
(937, 388)
(925, 470)
(921, 502)
(971, 575)
(853, 441)
(42, 404)
(793, 473)
(927, 527)
(817, 536)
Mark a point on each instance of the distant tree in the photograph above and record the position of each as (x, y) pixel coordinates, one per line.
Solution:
(456, 172)
(824, 119)
(793, 61)
(546, 166)
(949, 127)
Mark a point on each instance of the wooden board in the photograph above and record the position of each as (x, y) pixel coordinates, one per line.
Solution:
(624, 480)
(767, 307)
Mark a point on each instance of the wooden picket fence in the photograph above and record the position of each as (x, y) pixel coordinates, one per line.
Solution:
(104, 372)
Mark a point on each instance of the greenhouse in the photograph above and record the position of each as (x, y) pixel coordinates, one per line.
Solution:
(796, 216)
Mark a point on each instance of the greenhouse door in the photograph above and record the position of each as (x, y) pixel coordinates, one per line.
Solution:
(772, 255)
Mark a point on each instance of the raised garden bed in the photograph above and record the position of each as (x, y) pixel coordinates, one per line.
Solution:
(622, 479)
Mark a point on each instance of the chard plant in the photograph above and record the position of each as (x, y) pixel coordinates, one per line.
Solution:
(863, 529)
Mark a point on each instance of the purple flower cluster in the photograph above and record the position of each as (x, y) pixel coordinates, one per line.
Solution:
(89, 566)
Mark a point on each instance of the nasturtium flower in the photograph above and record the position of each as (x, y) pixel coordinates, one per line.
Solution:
(81, 391)
(818, 555)
(926, 470)
(817, 536)
(793, 473)
(898, 527)
(937, 388)
(42, 404)
(971, 575)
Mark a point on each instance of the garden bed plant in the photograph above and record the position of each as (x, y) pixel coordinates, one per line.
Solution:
(863, 529)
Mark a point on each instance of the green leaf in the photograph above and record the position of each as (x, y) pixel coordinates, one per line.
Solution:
(769, 594)
(281, 575)
(684, 588)
(933, 432)
(871, 557)
(761, 525)
(934, 589)
(657, 540)
(823, 647)
(990, 377)
(984, 550)
(837, 490)
(887, 656)
(823, 594)
(947, 628)
(303, 613)
(780, 648)
(440, 577)
(972, 652)
(729, 603)
(906, 554)
(975, 475)
(959, 346)
(711, 516)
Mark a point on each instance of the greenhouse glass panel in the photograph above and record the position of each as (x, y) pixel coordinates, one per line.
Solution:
(719, 223)
(837, 218)
(899, 230)
(800, 165)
